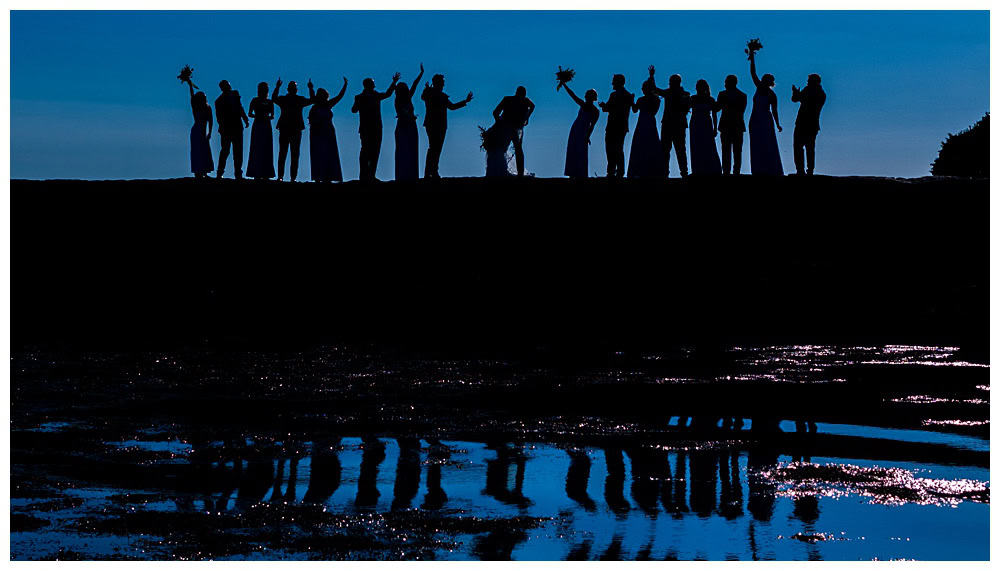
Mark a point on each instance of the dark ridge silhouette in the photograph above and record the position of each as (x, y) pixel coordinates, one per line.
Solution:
(966, 153)
(436, 107)
(810, 100)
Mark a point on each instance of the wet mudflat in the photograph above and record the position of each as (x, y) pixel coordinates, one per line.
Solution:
(348, 453)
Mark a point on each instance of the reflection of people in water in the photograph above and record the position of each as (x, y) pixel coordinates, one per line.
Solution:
(373, 452)
(498, 545)
(325, 471)
(497, 472)
(437, 455)
(703, 483)
(577, 477)
(762, 492)
(581, 551)
(679, 504)
(649, 469)
(731, 494)
(614, 484)
(258, 476)
(407, 473)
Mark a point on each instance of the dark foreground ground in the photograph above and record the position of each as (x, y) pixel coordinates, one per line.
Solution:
(530, 369)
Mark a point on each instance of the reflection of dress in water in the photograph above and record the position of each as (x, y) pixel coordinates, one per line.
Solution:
(704, 155)
(406, 140)
(323, 154)
(260, 163)
(764, 156)
(578, 147)
(646, 158)
(201, 151)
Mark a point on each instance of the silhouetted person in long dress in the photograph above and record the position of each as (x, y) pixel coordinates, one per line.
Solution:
(407, 482)
(260, 164)
(231, 118)
(368, 106)
(372, 455)
(290, 124)
(733, 104)
(513, 113)
(577, 477)
(201, 148)
(704, 126)
(673, 129)
(578, 147)
(407, 164)
(324, 157)
(646, 158)
(764, 156)
(618, 106)
(437, 104)
(810, 100)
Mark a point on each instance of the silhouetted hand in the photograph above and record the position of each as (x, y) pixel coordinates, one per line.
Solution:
(779, 128)
(468, 97)
(421, 67)
(396, 76)
(427, 85)
(652, 70)
(310, 84)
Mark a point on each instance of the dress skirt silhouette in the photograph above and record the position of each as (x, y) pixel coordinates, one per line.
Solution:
(646, 158)
(704, 155)
(764, 156)
(323, 154)
(201, 150)
(260, 164)
(578, 147)
(407, 163)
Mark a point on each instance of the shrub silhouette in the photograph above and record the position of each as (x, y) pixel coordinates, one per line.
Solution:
(966, 153)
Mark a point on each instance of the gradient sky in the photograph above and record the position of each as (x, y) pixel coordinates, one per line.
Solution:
(94, 95)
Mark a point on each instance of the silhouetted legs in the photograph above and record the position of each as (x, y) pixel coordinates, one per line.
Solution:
(804, 138)
(577, 477)
(235, 141)
(675, 138)
(435, 140)
(289, 138)
(732, 148)
(371, 146)
(614, 145)
(517, 138)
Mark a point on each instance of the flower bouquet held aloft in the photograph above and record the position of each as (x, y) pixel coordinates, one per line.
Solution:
(185, 76)
(753, 46)
(564, 76)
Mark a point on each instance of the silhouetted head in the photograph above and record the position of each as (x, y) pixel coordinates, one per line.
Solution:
(813, 79)
(368, 83)
(200, 99)
(322, 94)
(437, 81)
(767, 80)
(590, 96)
(262, 89)
(402, 90)
(701, 88)
(647, 86)
(730, 81)
(618, 80)
(521, 91)
(224, 86)
(675, 80)
(293, 88)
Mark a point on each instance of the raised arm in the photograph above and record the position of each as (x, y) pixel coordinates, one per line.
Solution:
(652, 80)
(340, 95)
(392, 87)
(277, 86)
(753, 70)
(460, 104)
(191, 89)
(573, 96)
(413, 86)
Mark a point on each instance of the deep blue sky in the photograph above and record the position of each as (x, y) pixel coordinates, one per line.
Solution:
(94, 94)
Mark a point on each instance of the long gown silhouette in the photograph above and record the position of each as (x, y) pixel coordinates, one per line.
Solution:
(704, 123)
(646, 159)
(764, 156)
(201, 148)
(578, 146)
(323, 154)
(260, 164)
(407, 155)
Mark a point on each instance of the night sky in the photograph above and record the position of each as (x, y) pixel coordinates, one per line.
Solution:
(94, 95)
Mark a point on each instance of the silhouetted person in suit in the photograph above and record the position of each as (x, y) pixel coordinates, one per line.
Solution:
(437, 455)
(290, 124)
(437, 104)
(733, 104)
(810, 100)
(513, 112)
(576, 479)
(232, 119)
(325, 471)
(618, 107)
(614, 483)
(407, 473)
(368, 106)
(372, 455)
(497, 472)
(673, 126)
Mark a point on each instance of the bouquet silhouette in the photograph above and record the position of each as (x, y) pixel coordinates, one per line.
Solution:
(753, 46)
(185, 76)
(564, 76)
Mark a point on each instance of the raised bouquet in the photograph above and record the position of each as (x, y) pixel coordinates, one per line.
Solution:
(564, 76)
(185, 76)
(753, 46)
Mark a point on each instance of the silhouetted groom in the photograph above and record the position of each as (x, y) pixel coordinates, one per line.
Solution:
(811, 100)
(231, 118)
(368, 106)
(618, 106)
(733, 104)
(437, 104)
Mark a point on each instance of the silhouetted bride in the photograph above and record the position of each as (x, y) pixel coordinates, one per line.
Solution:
(406, 131)
(260, 165)
(323, 154)
(646, 159)
(704, 127)
(201, 150)
(764, 156)
(578, 147)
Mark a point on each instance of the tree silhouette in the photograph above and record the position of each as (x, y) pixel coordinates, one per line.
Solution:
(966, 153)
